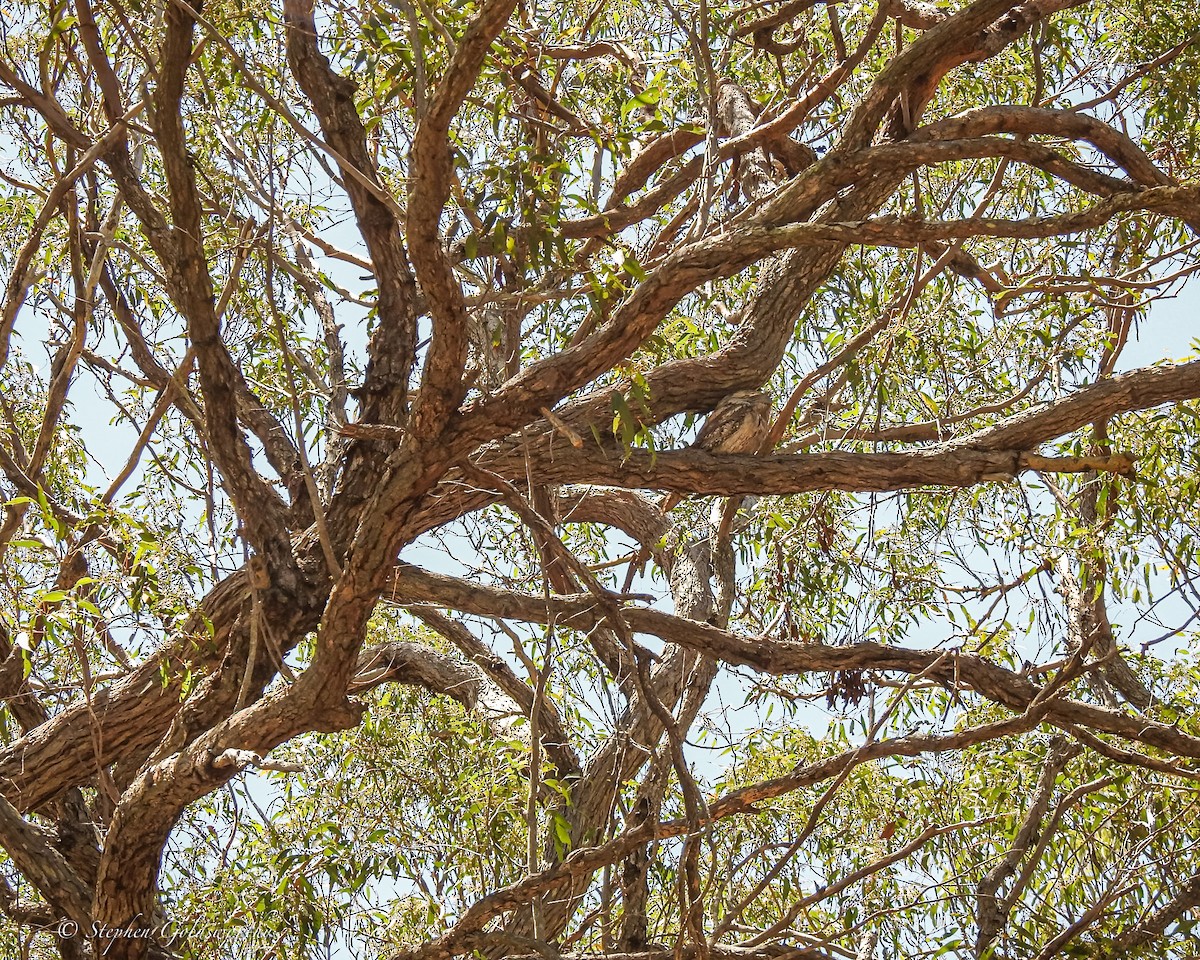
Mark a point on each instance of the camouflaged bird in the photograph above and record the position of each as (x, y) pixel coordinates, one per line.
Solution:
(738, 424)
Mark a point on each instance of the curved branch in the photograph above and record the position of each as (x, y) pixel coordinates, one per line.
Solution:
(185, 266)
(430, 174)
(392, 349)
(779, 657)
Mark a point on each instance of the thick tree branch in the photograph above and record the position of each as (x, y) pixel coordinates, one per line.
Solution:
(188, 277)
(392, 349)
(727, 475)
(430, 173)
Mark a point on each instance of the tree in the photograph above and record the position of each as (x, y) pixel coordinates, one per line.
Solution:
(364, 593)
